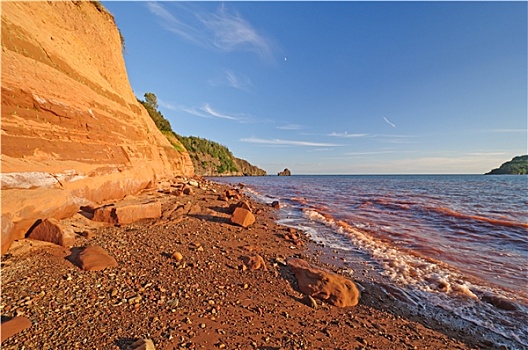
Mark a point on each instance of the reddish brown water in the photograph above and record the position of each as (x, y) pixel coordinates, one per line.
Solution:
(458, 241)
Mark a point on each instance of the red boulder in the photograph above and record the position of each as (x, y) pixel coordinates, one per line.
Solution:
(324, 285)
(14, 326)
(50, 230)
(242, 217)
(127, 213)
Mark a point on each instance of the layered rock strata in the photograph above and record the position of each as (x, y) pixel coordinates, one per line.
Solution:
(72, 129)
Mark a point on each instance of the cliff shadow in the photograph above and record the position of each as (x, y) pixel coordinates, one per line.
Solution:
(125, 343)
(211, 218)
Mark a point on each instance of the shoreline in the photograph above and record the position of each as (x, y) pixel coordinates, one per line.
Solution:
(207, 300)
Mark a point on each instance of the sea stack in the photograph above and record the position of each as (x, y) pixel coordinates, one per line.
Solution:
(285, 172)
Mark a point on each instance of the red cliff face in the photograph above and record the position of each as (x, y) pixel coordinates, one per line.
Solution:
(72, 130)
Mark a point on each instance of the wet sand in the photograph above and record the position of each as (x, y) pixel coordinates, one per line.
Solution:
(205, 301)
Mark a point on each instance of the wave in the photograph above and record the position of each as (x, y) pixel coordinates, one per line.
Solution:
(435, 281)
(436, 255)
(497, 222)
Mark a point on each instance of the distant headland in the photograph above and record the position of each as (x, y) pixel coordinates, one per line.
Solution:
(517, 166)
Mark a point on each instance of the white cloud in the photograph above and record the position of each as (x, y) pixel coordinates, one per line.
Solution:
(506, 130)
(368, 153)
(209, 110)
(220, 29)
(345, 134)
(232, 79)
(232, 32)
(205, 111)
(176, 26)
(485, 154)
(388, 122)
(287, 142)
(290, 127)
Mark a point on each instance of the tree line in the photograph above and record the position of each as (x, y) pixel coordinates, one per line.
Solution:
(196, 146)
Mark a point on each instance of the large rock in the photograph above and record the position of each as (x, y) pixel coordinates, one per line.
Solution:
(143, 344)
(124, 213)
(324, 285)
(94, 258)
(22, 208)
(254, 262)
(242, 217)
(72, 129)
(241, 204)
(14, 326)
(285, 172)
(50, 230)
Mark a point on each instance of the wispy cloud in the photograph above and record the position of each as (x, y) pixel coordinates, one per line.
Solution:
(396, 139)
(485, 154)
(345, 135)
(369, 153)
(209, 110)
(220, 29)
(389, 122)
(232, 79)
(288, 142)
(505, 130)
(204, 111)
(172, 24)
(290, 127)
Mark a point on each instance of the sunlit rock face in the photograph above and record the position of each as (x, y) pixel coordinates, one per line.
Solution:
(72, 129)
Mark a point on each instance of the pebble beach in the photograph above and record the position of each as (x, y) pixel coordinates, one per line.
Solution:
(182, 282)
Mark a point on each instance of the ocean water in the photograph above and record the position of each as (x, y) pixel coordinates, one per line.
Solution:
(455, 242)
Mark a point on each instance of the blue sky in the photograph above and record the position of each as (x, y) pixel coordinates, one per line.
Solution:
(338, 87)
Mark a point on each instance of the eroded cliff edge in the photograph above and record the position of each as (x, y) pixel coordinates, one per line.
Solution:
(72, 129)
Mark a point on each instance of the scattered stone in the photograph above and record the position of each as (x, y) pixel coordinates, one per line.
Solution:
(173, 303)
(231, 193)
(280, 261)
(50, 230)
(187, 190)
(88, 234)
(194, 209)
(324, 285)
(243, 204)
(127, 213)
(308, 300)
(143, 344)
(242, 217)
(193, 183)
(177, 256)
(95, 258)
(276, 204)
(254, 262)
(135, 300)
(14, 326)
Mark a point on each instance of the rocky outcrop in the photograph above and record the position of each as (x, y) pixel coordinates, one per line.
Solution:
(247, 169)
(72, 129)
(285, 172)
(324, 285)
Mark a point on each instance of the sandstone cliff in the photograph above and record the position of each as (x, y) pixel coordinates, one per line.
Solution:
(72, 129)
